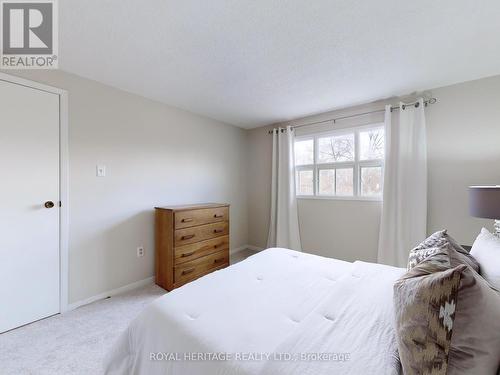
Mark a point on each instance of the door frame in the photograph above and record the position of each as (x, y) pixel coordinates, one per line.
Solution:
(63, 180)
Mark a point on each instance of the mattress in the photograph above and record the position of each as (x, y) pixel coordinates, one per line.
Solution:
(277, 312)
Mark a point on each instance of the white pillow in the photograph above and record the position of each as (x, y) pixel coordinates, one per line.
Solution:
(486, 250)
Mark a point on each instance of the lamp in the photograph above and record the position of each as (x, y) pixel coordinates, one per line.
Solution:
(484, 202)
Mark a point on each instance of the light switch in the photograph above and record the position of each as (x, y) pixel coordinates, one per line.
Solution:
(101, 171)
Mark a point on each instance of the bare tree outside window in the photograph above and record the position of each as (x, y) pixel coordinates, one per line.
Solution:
(372, 145)
(336, 149)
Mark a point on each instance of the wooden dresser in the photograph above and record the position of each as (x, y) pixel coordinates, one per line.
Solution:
(191, 241)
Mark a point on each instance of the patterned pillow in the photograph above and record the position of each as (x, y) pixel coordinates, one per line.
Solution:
(418, 255)
(425, 301)
(446, 318)
(433, 243)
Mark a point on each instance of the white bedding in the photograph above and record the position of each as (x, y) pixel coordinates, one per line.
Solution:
(279, 312)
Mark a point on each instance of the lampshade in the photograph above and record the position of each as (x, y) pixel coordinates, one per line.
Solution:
(484, 201)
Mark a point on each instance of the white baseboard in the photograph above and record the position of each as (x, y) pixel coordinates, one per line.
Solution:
(245, 247)
(237, 249)
(110, 293)
(254, 248)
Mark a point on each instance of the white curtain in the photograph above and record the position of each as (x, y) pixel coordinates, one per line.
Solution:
(404, 213)
(284, 224)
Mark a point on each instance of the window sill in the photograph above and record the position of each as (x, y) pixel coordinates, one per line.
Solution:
(319, 197)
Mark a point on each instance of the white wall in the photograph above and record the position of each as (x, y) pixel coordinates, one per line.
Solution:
(155, 155)
(463, 149)
(341, 229)
(258, 168)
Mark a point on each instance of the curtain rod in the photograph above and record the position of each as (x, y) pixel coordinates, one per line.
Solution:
(395, 108)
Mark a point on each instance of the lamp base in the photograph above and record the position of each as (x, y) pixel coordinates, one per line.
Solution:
(497, 228)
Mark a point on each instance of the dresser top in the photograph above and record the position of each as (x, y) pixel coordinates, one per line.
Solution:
(192, 206)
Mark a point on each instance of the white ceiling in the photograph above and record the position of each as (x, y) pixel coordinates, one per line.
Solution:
(255, 62)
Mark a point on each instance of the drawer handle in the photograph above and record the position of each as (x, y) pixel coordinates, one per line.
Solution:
(218, 230)
(187, 237)
(219, 260)
(184, 255)
(185, 272)
(186, 220)
(217, 216)
(218, 245)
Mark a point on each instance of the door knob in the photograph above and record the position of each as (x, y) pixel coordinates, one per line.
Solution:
(49, 204)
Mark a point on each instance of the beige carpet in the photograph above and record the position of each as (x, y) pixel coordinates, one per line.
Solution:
(75, 342)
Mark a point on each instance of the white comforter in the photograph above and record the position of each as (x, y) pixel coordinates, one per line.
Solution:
(279, 312)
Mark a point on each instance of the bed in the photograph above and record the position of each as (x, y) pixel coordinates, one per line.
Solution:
(277, 312)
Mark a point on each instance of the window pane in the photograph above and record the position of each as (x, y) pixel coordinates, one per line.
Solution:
(338, 148)
(371, 144)
(371, 181)
(344, 181)
(305, 183)
(327, 181)
(304, 152)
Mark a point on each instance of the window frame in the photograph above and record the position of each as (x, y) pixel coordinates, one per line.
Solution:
(356, 164)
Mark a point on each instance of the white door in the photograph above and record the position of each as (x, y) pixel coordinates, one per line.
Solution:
(29, 226)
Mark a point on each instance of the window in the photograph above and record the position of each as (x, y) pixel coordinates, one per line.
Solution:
(341, 163)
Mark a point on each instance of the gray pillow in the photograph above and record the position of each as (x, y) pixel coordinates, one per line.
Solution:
(425, 303)
(447, 318)
(475, 343)
(432, 244)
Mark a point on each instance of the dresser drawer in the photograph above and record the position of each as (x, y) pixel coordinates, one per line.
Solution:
(196, 250)
(191, 218)
(203, 232)
(196, 268)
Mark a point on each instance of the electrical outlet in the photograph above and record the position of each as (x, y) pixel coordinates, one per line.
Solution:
(140, 251)
(101, 171)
